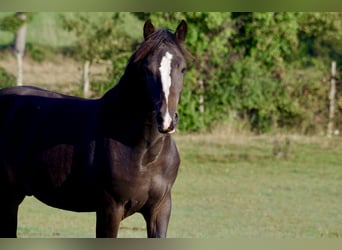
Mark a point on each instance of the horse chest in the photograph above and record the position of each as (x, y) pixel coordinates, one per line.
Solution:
(139, 191)
(139, 175)
(133, 179)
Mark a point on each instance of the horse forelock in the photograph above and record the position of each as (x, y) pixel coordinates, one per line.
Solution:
(154, 41)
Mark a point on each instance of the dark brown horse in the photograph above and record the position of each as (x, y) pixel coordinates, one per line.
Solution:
(113, 155)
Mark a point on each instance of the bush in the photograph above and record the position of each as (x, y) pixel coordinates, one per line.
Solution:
(6, 79)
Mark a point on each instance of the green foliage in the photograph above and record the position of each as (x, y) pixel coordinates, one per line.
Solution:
(321, 34)
(268, 37)
(271, 83)
(11, 22)
(308, 95)
(93, 38)
(6, 79)
(40, 53)
(100, 39)
(265, 68)
(97, 39)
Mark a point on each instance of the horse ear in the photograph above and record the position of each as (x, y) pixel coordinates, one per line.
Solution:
(148, 28)
(181, 31)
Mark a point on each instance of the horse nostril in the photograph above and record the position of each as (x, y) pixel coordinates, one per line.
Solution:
(176, 117)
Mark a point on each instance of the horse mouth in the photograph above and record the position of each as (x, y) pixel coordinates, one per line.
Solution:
(166, 131)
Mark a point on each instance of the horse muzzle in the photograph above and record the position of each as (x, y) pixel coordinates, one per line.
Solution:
(167, 122)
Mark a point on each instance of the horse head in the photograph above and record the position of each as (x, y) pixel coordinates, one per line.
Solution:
(164, 66)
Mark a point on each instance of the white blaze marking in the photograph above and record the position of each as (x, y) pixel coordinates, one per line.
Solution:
(165, 73)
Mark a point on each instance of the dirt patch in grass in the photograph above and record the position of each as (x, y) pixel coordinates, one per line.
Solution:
(63, 74)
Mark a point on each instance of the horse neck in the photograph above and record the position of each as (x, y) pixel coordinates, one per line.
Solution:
(128, 109)
(130, 94)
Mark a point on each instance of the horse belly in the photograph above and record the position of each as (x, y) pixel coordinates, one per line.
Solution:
(68, 200)
(76, 193)
(64, 180)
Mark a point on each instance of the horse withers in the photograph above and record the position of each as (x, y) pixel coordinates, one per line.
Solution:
(113, 155)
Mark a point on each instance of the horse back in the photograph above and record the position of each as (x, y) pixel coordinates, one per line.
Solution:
(43, 115)
(46, 138)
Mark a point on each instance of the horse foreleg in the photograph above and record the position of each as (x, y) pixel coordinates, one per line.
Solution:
(157, 218)
(108, 219)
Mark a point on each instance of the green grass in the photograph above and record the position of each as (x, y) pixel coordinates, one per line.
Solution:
(231, 186)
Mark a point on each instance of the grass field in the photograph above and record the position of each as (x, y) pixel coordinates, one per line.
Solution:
(229, 186)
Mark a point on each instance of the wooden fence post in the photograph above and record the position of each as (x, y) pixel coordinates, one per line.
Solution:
(201, 100)
(332, 99)
(85, 78)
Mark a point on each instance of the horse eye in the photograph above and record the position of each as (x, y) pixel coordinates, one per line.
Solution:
(183, 70)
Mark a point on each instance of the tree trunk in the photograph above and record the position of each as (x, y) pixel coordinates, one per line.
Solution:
(19, 46)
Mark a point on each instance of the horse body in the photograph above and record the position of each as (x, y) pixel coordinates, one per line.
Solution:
(113, 155)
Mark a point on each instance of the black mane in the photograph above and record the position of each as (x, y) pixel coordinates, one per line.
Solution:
(162, 36)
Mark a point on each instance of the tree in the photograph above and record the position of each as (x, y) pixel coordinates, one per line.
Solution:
(265, 68)
(321, 35)
(321, 44)
(96, 40)
(263, 44)
(17, 24)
